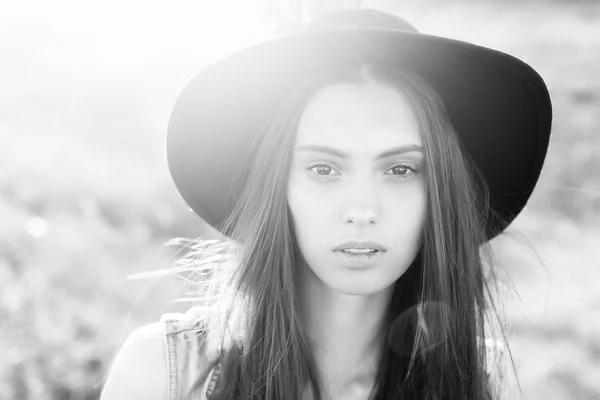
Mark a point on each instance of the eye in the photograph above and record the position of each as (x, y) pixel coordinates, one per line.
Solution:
(403, 171)
(322, 169)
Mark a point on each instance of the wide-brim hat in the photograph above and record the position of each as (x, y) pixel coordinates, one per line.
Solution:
(499, 105)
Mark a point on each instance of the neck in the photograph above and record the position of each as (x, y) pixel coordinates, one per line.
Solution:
(347, 332)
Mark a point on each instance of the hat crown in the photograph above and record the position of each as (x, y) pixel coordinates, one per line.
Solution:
(361, 18)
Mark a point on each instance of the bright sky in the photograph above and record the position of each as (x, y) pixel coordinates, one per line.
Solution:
(59, 54)
(72, 65)
(122, 32)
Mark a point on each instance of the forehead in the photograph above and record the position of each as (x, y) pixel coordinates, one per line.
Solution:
(371, 115)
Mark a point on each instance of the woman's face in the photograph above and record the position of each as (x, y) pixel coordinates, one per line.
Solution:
(357, 174)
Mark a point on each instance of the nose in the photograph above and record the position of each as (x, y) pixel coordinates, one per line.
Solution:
(363, 210)
(360, 217)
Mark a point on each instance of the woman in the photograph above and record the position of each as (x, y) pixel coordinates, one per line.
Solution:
(358, 170)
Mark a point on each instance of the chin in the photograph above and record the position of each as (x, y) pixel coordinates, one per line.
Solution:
(358, 287)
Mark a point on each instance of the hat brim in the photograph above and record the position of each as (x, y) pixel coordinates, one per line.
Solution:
(499, 106)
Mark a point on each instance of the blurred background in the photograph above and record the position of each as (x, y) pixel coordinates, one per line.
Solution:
(86, 199)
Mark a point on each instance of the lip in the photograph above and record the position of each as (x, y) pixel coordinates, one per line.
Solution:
(359, 261)
(359, 244)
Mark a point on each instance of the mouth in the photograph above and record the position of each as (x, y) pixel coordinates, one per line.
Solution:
(359, 252)
(359, 259)
(360, 247)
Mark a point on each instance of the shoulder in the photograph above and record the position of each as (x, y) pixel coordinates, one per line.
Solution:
(163, 360)
(139, 369)
(193, 320)
(190, 359)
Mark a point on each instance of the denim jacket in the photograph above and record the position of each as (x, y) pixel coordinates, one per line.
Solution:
(187, 360)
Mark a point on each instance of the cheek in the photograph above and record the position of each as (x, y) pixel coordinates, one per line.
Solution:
(408, 216)
(312, 217)
(310, 211)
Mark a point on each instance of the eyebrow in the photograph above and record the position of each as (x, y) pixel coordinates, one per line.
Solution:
(386, 154)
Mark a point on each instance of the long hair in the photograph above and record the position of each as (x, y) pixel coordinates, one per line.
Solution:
(436, 320)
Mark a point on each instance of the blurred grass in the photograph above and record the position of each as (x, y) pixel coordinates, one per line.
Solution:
(85, 199)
